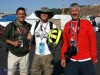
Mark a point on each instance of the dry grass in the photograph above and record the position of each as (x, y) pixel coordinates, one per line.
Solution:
(90, 10)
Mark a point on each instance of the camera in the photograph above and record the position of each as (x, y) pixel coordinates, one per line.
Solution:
(72, 51)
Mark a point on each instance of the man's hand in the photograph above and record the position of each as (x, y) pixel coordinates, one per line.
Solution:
(16, 43)
(63, 63)
(95, 62)
(29, 47)
(29, 37)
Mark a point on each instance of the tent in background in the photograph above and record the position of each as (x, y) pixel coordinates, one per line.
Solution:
(10, 17)
(31, 18)
(58, 20)
(63, 19)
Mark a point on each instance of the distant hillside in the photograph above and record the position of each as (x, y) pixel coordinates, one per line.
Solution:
(91, 10)
(85, 10)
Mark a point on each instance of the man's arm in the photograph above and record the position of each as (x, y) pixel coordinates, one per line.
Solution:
(64, 45)
(93, 43)
(14, 43)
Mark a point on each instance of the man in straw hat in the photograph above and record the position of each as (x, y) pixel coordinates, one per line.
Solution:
(43, 59)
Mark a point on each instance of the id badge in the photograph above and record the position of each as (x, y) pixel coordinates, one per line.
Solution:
(41, 48)
(21, 41)
(21, 44)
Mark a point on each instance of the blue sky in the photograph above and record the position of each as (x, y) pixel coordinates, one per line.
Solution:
(32, 5)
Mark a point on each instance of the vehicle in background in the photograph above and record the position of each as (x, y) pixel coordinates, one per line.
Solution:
(1, 30)
(5, 20)
(98, 26)
(98, 22)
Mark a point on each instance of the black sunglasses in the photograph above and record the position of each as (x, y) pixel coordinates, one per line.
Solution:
(44, 12)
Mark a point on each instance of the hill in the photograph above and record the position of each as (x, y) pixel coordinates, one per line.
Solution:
(91, 10)
(85, 10)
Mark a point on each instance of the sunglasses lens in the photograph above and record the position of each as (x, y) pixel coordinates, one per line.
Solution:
(44, 13)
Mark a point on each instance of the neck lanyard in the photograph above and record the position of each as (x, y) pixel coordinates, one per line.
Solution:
(43, 32)
(41, 26)
(20, 31)
(76, 29)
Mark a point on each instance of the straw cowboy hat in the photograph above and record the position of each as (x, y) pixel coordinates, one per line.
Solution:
(44, 10)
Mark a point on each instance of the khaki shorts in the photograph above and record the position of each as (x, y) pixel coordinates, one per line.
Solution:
(43, 64)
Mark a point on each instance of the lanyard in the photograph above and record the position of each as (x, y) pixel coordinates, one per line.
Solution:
(41, 26)
(20, 31)
(76, 29)
(42, 35)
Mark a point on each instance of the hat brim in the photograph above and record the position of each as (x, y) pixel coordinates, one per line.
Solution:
(38, 12)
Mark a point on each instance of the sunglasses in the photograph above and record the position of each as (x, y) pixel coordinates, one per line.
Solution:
(44, 12)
